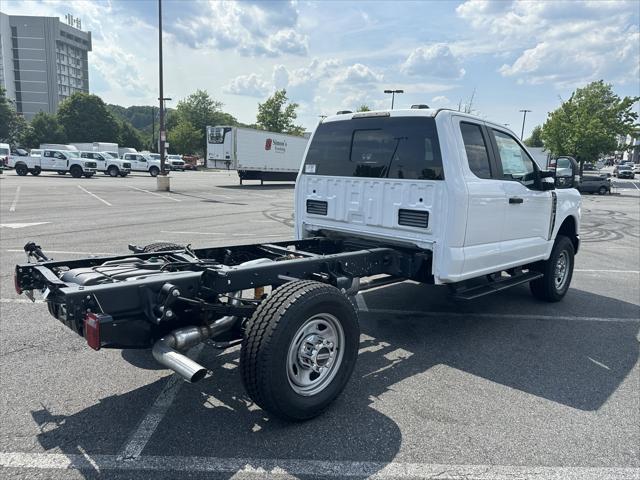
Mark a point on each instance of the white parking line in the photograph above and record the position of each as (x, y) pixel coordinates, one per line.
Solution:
(309, 468)
(94, 196)
(502, 316)
(156, 194)
(606, 271)
(140, 437)
(15, 200)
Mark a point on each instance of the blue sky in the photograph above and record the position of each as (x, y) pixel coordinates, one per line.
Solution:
(334, 55)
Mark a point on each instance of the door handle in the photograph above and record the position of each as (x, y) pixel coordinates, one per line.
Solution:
(515, 200)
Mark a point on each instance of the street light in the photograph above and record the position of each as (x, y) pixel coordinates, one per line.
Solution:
(523, 120)
(393, 95)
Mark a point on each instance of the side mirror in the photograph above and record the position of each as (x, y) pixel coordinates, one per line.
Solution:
(548, 183)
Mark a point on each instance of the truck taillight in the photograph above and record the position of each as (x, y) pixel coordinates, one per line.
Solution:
(16, 284)
(92, 328)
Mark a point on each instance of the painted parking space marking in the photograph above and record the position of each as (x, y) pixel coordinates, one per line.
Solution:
(140, 437)
(167, 197)
(12, 208)
(22, 225)
(94, 195)
(311, 468)
(605, 271)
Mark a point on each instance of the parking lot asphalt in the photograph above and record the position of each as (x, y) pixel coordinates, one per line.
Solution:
(501, 387)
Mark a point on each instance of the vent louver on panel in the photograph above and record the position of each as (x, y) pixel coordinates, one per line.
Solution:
(316, 207)
(413, 218)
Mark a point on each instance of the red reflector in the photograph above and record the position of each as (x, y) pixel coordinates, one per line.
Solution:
(92, 330)
(16, 284)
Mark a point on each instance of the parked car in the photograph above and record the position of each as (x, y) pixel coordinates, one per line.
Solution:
(636, 168)
(589, 167)
(61, 161)
(108, 165)
(190, 166)
(595, 184)
(5, 152)
(623, 171)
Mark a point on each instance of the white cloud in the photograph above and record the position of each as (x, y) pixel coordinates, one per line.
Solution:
(358, 74)
(563, 43)
(440, 100)
(434, 61)
(251, 85)
(252, 29)
(280, 77)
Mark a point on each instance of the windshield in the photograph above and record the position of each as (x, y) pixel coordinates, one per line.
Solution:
(154, 156)
(400, 147)
(110, 154)
(72, 154)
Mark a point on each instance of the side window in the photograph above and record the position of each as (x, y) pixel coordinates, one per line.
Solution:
(59, 155)
(84, 155)
(516, 163)
(47, 153)
(476, 148)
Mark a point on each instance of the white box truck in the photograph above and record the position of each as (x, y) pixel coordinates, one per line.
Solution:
(97, 146)
(255, 154)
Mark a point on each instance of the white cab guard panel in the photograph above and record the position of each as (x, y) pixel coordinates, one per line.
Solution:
(397, 210)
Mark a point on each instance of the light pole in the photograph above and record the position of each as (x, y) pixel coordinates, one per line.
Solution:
(524, 118)
(393, 95)
(163, 180)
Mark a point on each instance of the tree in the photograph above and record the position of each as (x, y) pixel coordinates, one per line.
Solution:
(7, 116)
(45, 128)
(85, 118)
(535, 140)
(200, 110)
(128, 136)
(588, 124)
(185, 138)
(363, 108)
(275, 115)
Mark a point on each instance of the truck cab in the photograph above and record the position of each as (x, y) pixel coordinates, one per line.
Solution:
(107, 164)
(457, 186)
(141, 162)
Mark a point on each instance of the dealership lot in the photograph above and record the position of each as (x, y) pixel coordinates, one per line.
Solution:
(501, 387)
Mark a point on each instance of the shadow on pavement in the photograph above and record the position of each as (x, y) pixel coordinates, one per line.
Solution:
(578, 363)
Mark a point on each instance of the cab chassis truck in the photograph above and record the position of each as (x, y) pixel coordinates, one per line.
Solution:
(433, 196)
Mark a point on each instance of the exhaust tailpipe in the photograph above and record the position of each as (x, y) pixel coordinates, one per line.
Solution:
(167, 350)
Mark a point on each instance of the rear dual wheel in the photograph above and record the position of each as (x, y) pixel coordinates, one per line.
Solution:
(299, 349)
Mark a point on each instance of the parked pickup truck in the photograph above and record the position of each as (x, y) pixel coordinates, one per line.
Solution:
(61, 161)
(175, 162)
(141, 162)
(435, 196)
(107, 164)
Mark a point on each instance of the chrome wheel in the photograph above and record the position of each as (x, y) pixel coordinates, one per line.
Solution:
(315, 354)
(561, 269)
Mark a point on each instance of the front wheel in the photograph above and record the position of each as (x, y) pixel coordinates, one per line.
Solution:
(299, 349)
(557, 272)
(113, 171)
(76, 171)
(154, 171)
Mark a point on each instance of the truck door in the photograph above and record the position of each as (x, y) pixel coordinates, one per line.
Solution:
(52, 160)
(485, 202)
(528, 207)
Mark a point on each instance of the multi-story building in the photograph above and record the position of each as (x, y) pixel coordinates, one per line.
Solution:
(42, 62)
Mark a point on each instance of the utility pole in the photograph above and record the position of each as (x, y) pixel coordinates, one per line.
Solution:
(524, 118)
(393, 95)
(153, 127)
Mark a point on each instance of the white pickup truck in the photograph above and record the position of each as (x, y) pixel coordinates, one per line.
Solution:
(141, 162)
(107, 164)
(434, 196)
(175, 162)
(61, 161)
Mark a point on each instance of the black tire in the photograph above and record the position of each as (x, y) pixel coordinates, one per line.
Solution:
(546, 288)
(123, 174)
(271, 335)
(76, 171)
(154, 171)
(35, 172)
(603, 190)
(21, 169)
(88, 175)
(162, 247)
(113, 171)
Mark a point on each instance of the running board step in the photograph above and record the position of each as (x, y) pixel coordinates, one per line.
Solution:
(495, 286)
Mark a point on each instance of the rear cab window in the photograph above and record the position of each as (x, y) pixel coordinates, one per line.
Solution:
(381, 147)
(476, 149)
